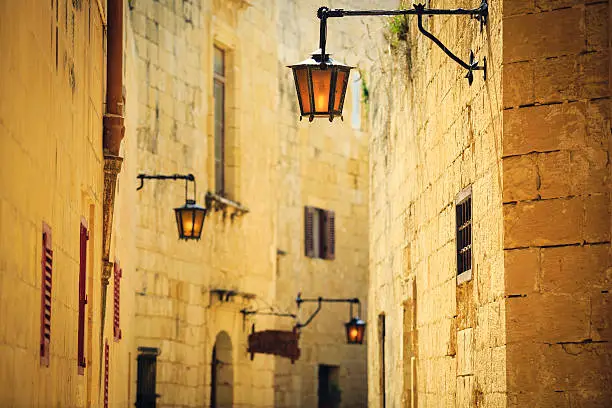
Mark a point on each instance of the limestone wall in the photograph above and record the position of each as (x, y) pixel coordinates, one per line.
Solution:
(51, 166)
(557, 202)
(433, 135)
(324, 165)
(177, 309)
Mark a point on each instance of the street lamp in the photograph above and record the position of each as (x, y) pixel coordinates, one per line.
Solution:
(355, 327)
(321, 85)
(190, 217)
(321, 82)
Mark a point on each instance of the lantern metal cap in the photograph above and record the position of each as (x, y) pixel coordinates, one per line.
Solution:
(315, 60)
(191, 204)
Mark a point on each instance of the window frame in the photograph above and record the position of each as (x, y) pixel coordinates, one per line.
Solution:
(220, 162)
(464, 234)
(319, 233)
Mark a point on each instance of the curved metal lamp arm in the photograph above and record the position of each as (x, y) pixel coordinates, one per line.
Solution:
(481, 14)
(299, 300)
(187, 177)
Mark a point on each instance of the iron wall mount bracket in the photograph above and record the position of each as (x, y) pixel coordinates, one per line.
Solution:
(320, 300)
(481, 14)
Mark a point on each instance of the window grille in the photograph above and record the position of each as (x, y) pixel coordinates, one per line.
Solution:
(464, 231)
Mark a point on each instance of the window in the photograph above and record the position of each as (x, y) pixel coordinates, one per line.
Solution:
(381, 359)
(464, 235)
(219, 119)
(146, 397)
(84, 237)
(319, 233)
(329, 392)
(116, 303)
(45, 290)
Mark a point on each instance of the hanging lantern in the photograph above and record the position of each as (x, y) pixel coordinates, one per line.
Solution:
(189, 220)
(355, 331)
(321, 87)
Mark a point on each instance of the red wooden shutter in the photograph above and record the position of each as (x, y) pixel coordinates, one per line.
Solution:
(308, 229)
(106, 358)
(82, 296)
(116, 305)
(45, 290)
(329, 232)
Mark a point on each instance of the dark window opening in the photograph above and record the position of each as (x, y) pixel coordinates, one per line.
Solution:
(219, 119)
(329, 393)
(464, 231)
(146, 397)
(381, 358)
(319, 233)
(84, 237)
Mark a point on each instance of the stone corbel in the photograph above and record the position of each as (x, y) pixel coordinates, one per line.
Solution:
(215, 202)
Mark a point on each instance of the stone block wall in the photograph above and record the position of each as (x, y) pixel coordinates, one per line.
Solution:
(324, 165)
(557, 202)
(178, 309)
(433, 136)
(51, 166)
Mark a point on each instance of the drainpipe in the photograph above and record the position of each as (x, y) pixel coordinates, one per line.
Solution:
(112, 136)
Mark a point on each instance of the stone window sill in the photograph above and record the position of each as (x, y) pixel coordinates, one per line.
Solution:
(464, 277)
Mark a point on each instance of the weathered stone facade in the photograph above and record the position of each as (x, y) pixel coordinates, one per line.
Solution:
(51, 167)
(323, 165)
(531, 326)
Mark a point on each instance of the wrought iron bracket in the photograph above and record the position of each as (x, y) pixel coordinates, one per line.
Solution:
(320, 300)
(187, 177)
(481, 14)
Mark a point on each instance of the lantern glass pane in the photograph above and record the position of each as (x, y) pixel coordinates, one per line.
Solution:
(341, 82)
(199, 222)
(179, 222)
(188, 217)
(301, 75)
(321, 84)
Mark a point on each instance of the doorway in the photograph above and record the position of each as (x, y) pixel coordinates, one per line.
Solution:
(222, 373)
(329, 386)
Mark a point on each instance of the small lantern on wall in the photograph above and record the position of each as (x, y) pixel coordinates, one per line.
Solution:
(190, 220)
(355, 330)
(190, 217)
(355, 327)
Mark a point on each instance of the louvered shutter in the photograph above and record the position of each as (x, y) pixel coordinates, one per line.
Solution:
(45, 289)
(116, 303)
(308, 230)
(84, 237)
(106, 360)
(329, 228)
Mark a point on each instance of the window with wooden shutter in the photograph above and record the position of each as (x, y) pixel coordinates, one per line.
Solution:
(106, 364)
(319, 233)
(45, 290)
(308, 231)
(116, 303)
(329, 234)
(84, 237)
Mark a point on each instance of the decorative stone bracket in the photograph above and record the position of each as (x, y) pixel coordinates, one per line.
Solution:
(215, 202)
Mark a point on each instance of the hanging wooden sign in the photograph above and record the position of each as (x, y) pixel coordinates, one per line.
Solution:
(276, 342)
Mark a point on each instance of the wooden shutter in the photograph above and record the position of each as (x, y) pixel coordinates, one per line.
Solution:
(116, 303)
(308, 230)
(82, 296)
(106, 359)
(45, 290)
(329, 235)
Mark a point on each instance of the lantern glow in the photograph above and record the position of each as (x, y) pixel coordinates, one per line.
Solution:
(355, 331)
(321, 86)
